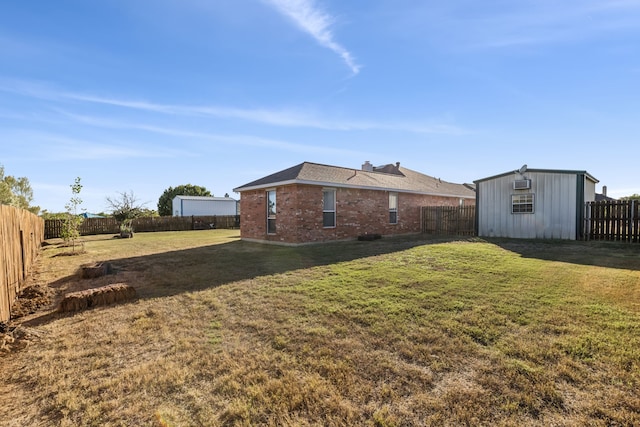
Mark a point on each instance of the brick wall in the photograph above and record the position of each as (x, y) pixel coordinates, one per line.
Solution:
(358, 211)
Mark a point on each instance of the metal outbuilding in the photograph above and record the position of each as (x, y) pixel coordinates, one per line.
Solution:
(534, 203)
(204, 206)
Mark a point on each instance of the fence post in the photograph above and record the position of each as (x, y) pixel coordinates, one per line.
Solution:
(23, 258)
(630, 221)
(586, 225)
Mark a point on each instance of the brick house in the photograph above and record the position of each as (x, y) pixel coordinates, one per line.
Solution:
(310, 202)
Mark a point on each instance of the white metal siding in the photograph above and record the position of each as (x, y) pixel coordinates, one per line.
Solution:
(176, 207)
(191, 207)
(554, 214)
(589, 190)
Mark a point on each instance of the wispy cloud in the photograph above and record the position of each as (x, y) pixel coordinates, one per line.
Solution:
(231, 139)
(271, 117)
(274, 117)
(53, 146)
(287, 118)
(310, 18)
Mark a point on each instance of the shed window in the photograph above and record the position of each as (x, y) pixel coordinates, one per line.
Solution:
(393, 208)
(329, 208)
(522, 203)
(271, 212)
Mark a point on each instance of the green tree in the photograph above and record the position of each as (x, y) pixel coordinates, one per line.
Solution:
(16, 192)
(632, 197)
(6, 195)
(45, 214)
(165, 203)
(146, 212)
(71, 224)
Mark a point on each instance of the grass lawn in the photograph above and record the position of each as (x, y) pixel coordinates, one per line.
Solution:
(395, 332)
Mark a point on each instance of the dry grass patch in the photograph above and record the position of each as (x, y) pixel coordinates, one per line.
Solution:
(386, 333)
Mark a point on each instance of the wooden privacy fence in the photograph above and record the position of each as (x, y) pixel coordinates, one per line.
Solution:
(21, 235)
(617, 220)
(450, 220)
(53, 227)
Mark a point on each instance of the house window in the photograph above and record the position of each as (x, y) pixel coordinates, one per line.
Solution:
(521, 203)
(271, 212)
(393, 208)
(328, 208)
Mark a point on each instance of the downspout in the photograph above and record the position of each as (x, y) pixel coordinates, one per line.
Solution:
(477, 219)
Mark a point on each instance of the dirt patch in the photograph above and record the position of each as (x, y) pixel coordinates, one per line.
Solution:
(30, 300)
(71, 253)
(13, 338)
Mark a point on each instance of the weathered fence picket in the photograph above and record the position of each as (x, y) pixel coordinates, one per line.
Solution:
(90, 226)
(617, 220)
(449, 220)
(21, 235)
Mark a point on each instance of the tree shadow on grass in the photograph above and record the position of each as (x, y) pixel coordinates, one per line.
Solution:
(175, 272)
(597, 253)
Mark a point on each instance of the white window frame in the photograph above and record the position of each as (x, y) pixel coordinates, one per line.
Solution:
(328, 209)
(393, 207)
(520, 203)
(271, 215)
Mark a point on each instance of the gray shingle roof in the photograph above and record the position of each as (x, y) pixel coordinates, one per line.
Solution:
(603, 198)
(394, 178)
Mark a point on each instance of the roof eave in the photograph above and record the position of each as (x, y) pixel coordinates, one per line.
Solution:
(564, 171)
(341, 185)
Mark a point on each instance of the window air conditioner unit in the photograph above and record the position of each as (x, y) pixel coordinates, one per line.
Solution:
(522, 184)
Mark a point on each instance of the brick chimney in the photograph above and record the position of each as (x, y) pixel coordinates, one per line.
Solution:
(367, 166)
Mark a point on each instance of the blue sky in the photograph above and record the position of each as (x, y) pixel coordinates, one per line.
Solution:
(146, 94)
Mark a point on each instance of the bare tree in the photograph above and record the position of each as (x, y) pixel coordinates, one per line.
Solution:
(125, 208)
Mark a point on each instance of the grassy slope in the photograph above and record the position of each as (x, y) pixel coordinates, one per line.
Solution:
(392, 332)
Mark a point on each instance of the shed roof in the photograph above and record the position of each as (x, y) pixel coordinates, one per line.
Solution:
(528, 170)
(388, 177)
(205, 198)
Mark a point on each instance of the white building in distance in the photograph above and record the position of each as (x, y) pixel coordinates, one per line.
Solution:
(204, 206)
